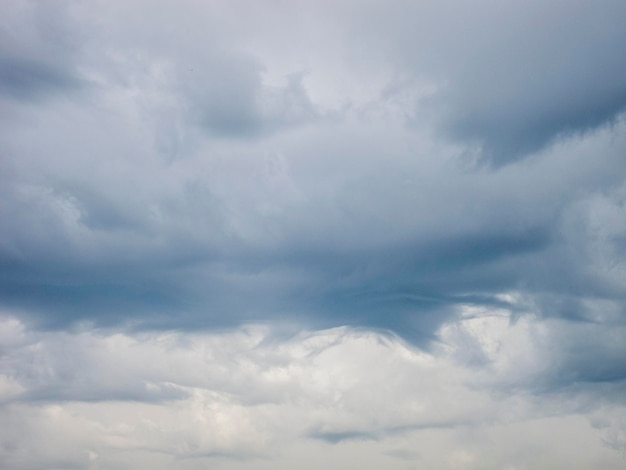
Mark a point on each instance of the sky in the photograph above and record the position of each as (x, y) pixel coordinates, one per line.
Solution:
(299, 234)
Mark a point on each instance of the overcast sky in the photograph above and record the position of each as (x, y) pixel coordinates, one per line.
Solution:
(300, 234)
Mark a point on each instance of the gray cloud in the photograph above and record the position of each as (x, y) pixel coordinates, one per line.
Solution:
(192, 193)
(238, 173)
(24, 79)
(510, 79)
(295, 240)
(39, 52)
(336, 437)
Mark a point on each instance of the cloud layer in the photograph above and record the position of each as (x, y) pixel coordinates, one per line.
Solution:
(172, 400)
(435, 194)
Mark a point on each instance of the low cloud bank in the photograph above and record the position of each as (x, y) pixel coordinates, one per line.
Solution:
(490, 391)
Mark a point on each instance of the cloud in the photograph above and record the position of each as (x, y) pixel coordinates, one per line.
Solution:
(258, 234)
(39, 53)
(174, 399)
(509, 79)
(185, 180)
(22, 79)
(187, 238)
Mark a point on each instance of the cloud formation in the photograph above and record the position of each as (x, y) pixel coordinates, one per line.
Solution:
(511, 78)
(344, 177)
(181, 400)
